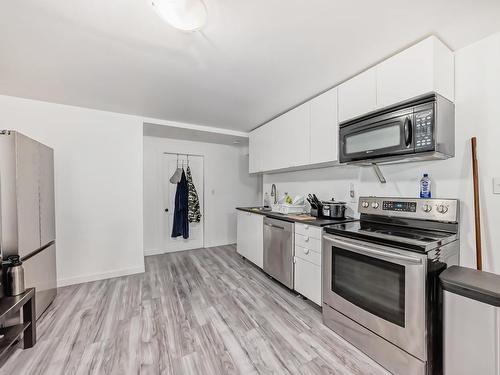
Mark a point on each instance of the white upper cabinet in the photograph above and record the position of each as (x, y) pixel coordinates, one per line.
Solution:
(294, 140)
(425, 67)
(255, 150)
(308, 134)
(358, 95)
(324, 128)
(286, 140)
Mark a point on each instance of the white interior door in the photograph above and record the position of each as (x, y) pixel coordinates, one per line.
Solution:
(195, 239)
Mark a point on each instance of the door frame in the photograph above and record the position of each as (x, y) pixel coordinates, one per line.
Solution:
(202, 187)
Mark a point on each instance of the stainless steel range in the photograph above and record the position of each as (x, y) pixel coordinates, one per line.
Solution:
(380, 279)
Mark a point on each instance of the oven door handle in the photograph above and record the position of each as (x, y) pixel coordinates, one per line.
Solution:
(373, 252)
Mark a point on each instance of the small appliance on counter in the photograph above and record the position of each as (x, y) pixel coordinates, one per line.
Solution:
(331, 209)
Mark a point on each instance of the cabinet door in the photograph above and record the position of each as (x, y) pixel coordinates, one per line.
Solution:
(290, 136)
(242, 234)
(296, 140)
(256, 240)
(308, 280)
(425, 67)
(250, 237)
(269, 146)
(405, 75)
(27, 181)
(47, 209)
(358, 95)
(254, 151)
(324, 127)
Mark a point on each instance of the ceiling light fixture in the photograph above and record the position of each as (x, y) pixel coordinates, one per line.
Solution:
(185, 15)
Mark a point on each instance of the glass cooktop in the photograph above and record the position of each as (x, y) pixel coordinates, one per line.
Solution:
(418, 239)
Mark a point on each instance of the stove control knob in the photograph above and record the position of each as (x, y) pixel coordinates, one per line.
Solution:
(375, 205)
(365, 204)
(427, 208)
(442, 209)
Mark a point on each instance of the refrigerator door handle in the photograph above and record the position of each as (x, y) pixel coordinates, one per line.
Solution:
(39, 250)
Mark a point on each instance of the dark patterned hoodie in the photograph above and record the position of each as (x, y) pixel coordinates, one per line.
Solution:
(194, 214)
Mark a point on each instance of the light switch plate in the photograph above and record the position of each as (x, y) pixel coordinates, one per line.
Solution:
(496, 185)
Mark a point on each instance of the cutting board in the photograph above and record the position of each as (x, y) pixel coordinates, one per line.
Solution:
(303, 217)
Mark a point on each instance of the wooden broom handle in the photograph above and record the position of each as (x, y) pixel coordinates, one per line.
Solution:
(477, 210)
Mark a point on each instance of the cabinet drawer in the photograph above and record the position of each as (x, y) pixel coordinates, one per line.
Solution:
(308, 280)
(308, 254)
(310, 243)
(308, 230)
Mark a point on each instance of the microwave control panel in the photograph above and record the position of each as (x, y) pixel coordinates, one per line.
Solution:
(424, 125)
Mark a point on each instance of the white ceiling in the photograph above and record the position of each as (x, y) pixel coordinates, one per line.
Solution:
(254, 60)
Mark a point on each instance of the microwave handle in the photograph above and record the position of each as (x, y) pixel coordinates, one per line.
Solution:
(408, 131)
(372, 252)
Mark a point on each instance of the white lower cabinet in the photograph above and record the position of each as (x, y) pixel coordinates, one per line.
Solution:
(307, 261)
(250, 237)
(308, 280)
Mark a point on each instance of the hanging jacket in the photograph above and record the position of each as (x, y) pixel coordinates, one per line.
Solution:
(194, 214)
(180, 226)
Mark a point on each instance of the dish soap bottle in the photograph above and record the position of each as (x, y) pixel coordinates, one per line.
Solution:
(425, 187)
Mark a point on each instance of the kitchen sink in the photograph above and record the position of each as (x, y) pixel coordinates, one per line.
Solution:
(261, 209)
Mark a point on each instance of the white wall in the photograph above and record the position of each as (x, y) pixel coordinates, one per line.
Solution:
(227, 185)
(98, 182)
(477, 114)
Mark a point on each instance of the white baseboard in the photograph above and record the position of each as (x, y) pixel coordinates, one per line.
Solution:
(150, 252)
(153, 252)
(99, 276)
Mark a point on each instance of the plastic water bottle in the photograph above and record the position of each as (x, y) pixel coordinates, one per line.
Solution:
(425, 186)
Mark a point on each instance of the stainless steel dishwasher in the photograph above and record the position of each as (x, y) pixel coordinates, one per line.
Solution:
(279, 250)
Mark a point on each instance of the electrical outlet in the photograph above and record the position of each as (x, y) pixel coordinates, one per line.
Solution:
(496, 185)
(352, 193)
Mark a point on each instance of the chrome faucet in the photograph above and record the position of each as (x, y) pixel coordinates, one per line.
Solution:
(274, 193)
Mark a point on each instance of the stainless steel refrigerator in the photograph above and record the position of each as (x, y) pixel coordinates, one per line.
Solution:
(27, 213)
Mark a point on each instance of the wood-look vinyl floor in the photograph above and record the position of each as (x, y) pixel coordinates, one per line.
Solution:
(203, 311)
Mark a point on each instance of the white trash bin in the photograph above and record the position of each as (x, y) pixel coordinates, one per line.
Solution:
(471, 321)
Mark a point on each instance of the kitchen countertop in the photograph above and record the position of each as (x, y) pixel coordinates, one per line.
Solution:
(277, 215)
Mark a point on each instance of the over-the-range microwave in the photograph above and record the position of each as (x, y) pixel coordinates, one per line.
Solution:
(422, 128)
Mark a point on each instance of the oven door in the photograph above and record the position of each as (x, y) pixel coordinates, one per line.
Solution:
(377, 137)
(381, 288)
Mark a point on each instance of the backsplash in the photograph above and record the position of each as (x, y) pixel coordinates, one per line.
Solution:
(402, 181)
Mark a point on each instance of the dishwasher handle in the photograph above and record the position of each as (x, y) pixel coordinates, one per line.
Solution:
(274, 226)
